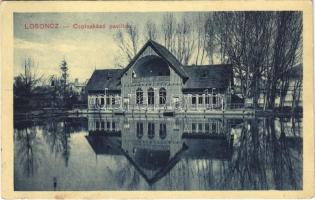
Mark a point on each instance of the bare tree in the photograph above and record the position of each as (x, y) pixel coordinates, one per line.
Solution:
(220, 25)
(207, 39)
(128, 41)
(287, 47)
(25, 83)
(30, 77)
(151, 30)
(296, 90)
(245, 38)
(261, 46)
(168, 30)
(185, 45)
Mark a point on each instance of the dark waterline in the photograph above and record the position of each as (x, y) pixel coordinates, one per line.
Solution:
(101, 152)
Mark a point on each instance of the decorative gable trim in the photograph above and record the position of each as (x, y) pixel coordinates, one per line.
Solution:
(154, 47)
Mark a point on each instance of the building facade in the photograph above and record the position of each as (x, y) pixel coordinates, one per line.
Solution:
(155, 80)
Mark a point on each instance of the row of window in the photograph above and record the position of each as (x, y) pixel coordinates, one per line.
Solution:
(101, 125)
(200, 100)
(151, 130)
(101, 101)
(195, 127)
(198, 127)
(162, 96)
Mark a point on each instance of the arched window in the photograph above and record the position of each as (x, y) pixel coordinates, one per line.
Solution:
(150, 96)
(162, 96)
(162, 130)
(214, 99)
(102, 125)
(139, 130)
(97, 125)
(139, 96)
(102, 101)
(214, 127)
(151, 130)
(207, 99)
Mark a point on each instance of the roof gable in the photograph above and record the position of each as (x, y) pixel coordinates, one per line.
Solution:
(165, 54)
(105, 78)
(209, 76)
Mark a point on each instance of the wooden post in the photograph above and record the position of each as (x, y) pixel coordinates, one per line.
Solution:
(155, 97)
(222, 103)
(204, 101)
(197, 101)
(211, 101)
(110, 101)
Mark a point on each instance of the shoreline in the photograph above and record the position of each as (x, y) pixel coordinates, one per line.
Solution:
(240, 113)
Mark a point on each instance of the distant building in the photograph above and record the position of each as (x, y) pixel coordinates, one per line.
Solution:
(77, 87)
(294, 89)
(294, 92)
(156, 80)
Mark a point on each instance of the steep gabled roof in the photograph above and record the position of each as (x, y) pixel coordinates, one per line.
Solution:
(208, 76)
(165, 54)
(105, 78)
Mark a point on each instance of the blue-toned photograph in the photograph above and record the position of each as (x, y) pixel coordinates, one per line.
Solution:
(166, 101)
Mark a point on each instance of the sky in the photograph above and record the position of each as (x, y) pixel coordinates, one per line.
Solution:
(84, 49)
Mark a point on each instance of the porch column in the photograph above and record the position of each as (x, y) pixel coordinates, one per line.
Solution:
(156, 98)
(110, 101)
(222, 102)
(120, 102)
(100, 100)
(145, 99)
(92, 102)
(116, 100)
(92, 106)
(96, 102)
(189, 101)
(197, 101)
(211, 101)
(204, 101)
(129, 100)
(89, 101)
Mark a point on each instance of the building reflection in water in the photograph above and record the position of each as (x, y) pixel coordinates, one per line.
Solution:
(154, 145)
(158, 153)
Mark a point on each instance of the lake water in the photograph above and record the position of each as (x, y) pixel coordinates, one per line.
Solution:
(99, 152)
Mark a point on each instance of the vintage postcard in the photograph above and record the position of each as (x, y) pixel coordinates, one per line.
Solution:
(149, 99)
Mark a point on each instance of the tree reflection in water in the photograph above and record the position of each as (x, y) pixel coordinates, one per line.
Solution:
(261, 160)
(57, 134)
(125, 175)
(28, 149)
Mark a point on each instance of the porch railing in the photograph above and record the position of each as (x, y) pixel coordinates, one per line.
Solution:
(236, 106)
